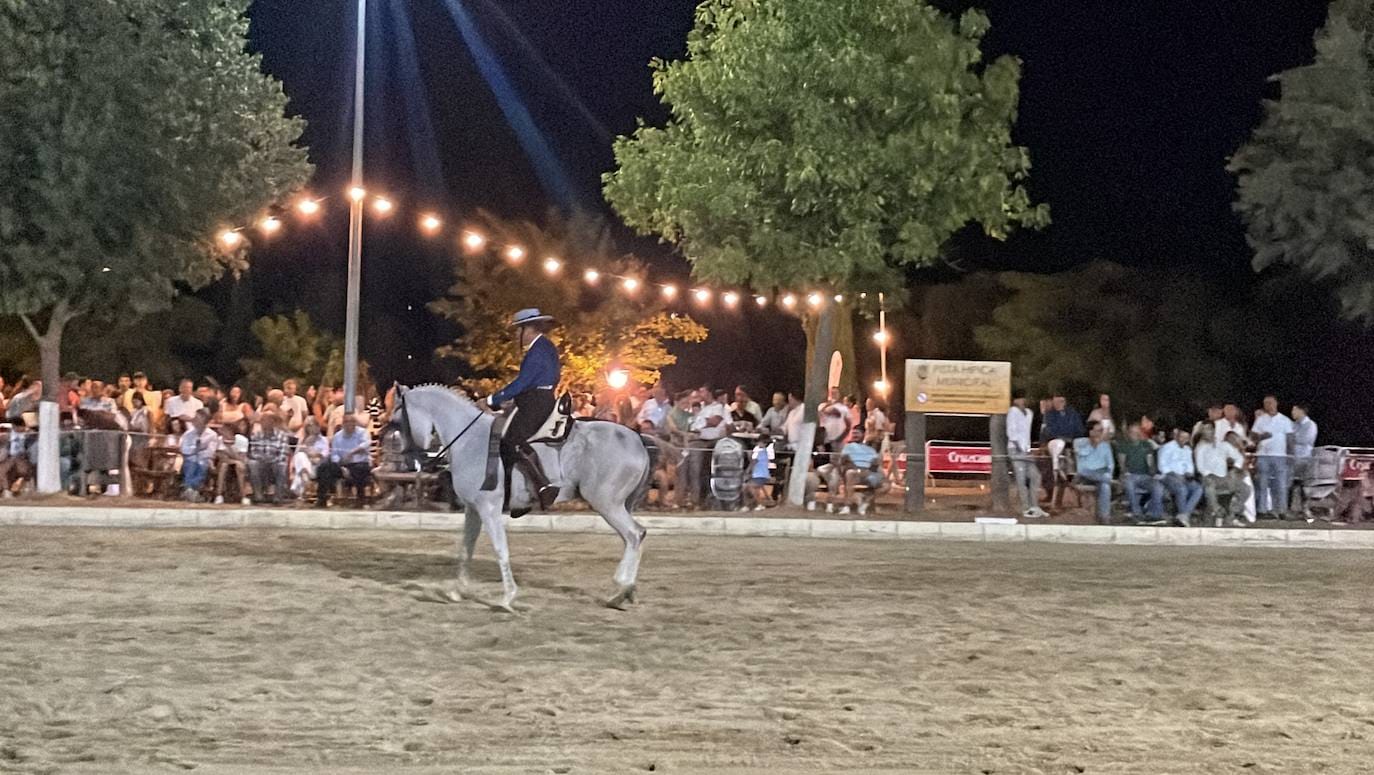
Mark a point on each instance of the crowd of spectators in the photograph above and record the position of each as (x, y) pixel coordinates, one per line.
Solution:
(1237, 470)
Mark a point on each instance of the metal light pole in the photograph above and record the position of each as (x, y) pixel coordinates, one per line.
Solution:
(355, 222)
(882, 326)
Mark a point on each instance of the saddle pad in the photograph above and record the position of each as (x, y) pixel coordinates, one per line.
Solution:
(498, 429)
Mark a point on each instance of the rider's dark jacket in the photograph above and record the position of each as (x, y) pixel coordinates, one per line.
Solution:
(538, 370)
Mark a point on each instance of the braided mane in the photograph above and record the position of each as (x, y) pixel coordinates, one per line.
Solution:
(435, 387)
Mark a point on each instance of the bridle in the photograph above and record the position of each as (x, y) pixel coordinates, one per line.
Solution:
(418, 453)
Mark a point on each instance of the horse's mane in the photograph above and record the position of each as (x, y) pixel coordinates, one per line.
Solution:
(437, 388)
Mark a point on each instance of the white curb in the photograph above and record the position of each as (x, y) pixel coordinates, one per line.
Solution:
(124, 517)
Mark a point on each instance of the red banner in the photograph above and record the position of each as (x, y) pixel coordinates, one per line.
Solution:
(967, 459)
(1356, 466)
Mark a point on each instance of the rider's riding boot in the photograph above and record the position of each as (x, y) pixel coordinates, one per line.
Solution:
(539, 481)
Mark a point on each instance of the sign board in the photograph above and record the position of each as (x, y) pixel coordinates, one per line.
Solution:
(958, 387)
(958, 459)
(1357, 464)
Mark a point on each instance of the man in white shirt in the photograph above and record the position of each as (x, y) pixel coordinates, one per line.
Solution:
(1222, 469)
(1304, 441)
(796, 415)
(746, 408)
(710, 424)
(1179, 475)
(654, 410)
(294, 408)
(1019, 448)
(1231, 422)
(833, 417)
(1273, 433)
(776, 416)
(713, 421)
(876, 426)
(198, 447)
(184, 404)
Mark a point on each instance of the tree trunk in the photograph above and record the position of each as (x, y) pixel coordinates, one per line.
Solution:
(49, 423)
(843, 343)
(821, 344)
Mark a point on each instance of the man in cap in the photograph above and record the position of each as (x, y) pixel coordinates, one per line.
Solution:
(533, 395)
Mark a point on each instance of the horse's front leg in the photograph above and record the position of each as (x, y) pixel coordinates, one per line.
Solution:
(495, 524)
(472, 528)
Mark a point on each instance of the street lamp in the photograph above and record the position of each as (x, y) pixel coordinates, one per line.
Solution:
(355, 221)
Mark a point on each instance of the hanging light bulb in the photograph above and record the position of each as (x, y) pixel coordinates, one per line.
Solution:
(357, 193)
(552, 265)
(307, 206)
(839, 298)
(670, 291)
(230, 238)
(430, 223)
(762, 301)
(473, 241)
(702, 295)
(270, 225)
(730, 298)
(880, 385)
(880, 336)
(515, 254)
(617, 378)
(382, 206)
(814, 299)
(789, 301)
(591, 276)
(630, 284)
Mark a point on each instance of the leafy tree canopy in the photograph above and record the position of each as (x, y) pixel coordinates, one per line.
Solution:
(292, 347)
(1306, 178)
(821, 141)
(597, 326)
(134, 131)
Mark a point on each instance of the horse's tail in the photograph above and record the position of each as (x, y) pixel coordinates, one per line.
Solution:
(642, 489)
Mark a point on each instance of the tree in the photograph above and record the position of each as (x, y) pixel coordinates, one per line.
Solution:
(820, 143)
(597, 328)
(1155, 340)
(292, 347)
(133, 132)
(1306, 178)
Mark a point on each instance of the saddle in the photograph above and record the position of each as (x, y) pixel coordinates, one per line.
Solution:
(556, 426)
(554, 431)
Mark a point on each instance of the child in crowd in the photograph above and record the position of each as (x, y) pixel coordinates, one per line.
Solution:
(755, 488)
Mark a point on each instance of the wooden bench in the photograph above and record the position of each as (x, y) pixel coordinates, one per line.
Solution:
(423, 483)
(152, 471)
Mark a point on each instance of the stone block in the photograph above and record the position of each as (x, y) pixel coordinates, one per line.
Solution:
(571, 523)
(442, 520)
(1004, 532)
(1352, 539)
(398, 520)
(918, 530)
(1314, 538)
(1136, 535)
(961, 531)
(351, 520)
(831, 528)
(173, 518)
(215, 518)
(1180, 536)
(875, 528)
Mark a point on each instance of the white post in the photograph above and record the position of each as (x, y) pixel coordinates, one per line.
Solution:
(355, 222)
(49, 448)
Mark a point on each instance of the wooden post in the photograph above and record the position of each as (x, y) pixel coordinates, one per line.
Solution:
(1000, 486)
(915, 462)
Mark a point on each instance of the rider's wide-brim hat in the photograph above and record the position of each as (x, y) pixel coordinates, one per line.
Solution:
(527, 316)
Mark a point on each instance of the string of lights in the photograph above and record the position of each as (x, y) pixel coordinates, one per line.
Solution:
(473, 241)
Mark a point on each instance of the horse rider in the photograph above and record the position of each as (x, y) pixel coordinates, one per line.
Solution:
(533, 395)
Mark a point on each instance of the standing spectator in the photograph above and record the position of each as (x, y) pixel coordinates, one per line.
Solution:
(349, 458)
(234, 409)
(1095, 467)
(24, 401)
(655, 408)
(1019, 448)
(312, 449)
(856, 422)
(1102, 414)
(1178, 474)
(1147, 427)
(755, 489)
(1213, 416)
(776, 416)
(833, 418)
(1235, 440)
(746, 409)
(1136, 457)
(198, 447)
(335, 413)
(1221, 466)
(710, 425)
(320, 407)
(267, 451)
(1231, 422)
(232, 456)
(796, 415)
(877, 427)
(680, 419)
(184, 405)
(1273, 433)
(1304, 442)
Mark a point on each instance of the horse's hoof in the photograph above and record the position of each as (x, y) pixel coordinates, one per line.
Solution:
(626, 595)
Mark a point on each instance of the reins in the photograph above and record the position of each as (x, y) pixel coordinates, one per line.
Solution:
(410, 442)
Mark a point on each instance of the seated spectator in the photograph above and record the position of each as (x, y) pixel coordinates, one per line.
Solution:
(1179, 476)
(756, 486)
(862, 468)
(139, 385)
(1102, 414)
(232, 456)
(349, 459)
(1213, 415)
(1136, 458)
(745, 409)
(1063, 422)
(184, 405)
(775, 417)
(1221, 467)
(234, 409)
(267, 454)
(1095, 467)
(23, 405)
(312, 449)
(198, 447)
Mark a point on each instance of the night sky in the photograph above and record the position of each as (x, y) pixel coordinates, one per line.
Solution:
(1129, 110)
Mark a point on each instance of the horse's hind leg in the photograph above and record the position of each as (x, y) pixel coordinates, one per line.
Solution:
(472, 528)
(632, 533)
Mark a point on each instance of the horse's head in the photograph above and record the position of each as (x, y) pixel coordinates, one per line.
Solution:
(412, 418)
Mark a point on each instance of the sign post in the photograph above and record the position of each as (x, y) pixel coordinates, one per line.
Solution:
(968, 388)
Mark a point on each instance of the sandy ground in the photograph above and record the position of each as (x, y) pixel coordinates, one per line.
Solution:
(280, 651)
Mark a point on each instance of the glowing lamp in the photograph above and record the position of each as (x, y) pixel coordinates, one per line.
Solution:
(789, 301)
(702, 295)
(814, 299)
(230, 239)
(382, 205)
(839, 298)
(880, 336)
(730, 298)
(473, 241)
(762, 301)
(591, 276)
(270, 225)
(880, 386)
(307, 207)
(552, 265)
(430, 223)
(630, 284)
(669, 291)
(357, 193)
(515, 254)
(617, 378)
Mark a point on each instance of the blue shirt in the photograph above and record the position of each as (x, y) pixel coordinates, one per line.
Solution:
(539, 369)
(761, 458)
(351, 448)
(1092, 458)
(1066, 424)
(861, 455)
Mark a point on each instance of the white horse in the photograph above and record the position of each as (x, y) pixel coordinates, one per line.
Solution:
(606, 464)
